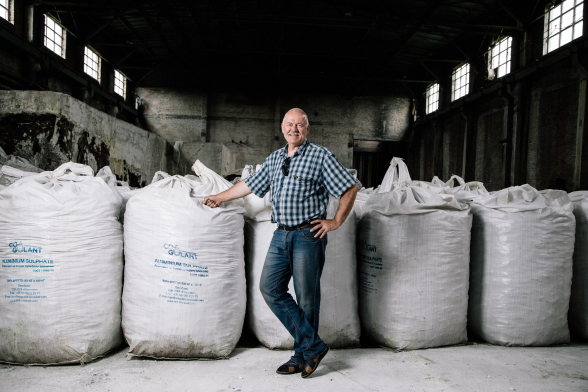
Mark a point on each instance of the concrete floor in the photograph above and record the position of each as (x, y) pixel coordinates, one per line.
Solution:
(473, 367)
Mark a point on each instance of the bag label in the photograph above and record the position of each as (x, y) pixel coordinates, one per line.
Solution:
(25, 289)
(370, 267)
(181, 290)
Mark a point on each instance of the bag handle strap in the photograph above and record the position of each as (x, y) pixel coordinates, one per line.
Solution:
(71, 168)
(397, 174)
(450, 182)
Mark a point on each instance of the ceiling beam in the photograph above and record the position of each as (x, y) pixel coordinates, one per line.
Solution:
(386, 58)
(162, 38)
(452, 42)
(520, 23)
(437, 78)
(105, 25)
(133, 32)
(119, 62)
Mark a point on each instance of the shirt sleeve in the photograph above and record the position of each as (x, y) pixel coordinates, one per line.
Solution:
(336, 178)
(259, 182)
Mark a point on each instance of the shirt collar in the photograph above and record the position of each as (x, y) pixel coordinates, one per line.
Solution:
(301, 150)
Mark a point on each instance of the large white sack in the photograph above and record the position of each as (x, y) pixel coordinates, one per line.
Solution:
(413, 255)
(61, 275)
(465, 191)
(578, 314)
(256, 208)
(9, 174)
(184, 294)
(339, 320)
(121, 187)
(521, 267)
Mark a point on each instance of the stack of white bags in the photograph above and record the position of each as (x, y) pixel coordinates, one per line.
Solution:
(61, 247)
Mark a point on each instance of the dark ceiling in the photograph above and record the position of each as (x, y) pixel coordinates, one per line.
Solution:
(340, 47)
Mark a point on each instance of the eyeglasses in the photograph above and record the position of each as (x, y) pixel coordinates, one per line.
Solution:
(286, 166)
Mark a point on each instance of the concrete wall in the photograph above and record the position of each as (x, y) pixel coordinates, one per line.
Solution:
(52, 128)
(248, 124)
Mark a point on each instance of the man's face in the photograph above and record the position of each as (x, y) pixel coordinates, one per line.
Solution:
(295, 128)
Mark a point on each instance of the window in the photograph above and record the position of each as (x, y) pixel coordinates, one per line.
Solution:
(92, 63)
(5, 10)
(563, 23)
(499, 58)
(54, 36)
(120, 84)
(460, 81)
(432, 97)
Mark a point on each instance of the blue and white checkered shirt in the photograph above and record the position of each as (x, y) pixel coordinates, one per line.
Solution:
(303, 194)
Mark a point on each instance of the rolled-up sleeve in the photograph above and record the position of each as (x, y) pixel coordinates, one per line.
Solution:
(259, 182)
(335, 177)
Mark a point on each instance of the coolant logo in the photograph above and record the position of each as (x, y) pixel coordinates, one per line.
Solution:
(174, 250)
(365, 246)
(19, 247)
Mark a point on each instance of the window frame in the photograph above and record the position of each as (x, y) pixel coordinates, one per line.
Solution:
(433, 90)
(62, 36)
(552, 40)
(461, 87)
(499, 70)
(9, 11)
(124, 84)
(97, 72)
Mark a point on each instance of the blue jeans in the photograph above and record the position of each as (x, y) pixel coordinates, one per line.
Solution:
(299, 255)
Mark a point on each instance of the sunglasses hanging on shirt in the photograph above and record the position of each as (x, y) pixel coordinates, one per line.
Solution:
(286, 166)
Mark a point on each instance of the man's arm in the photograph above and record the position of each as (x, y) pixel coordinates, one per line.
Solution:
(240, 189)
(323, 226)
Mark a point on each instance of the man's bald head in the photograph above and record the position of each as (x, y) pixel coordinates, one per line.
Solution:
(295, 127)
(296, 111)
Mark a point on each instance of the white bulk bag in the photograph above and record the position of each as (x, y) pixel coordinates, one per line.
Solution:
(413, 256)
(121, 187)
(9, 174)
(521, 266)
(256, 208)
(184, 294)
(61, 273)
(465, 191)
(578, 314)
(339, 320)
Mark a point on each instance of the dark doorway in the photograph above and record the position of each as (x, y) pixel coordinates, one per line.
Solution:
(371, 159)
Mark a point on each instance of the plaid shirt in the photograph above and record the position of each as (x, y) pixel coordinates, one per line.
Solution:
(304, 193)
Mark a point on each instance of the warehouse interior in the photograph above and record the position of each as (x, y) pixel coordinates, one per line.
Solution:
(489, 90)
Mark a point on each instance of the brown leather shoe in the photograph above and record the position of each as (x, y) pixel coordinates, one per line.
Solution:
(290, 367)
(312, 365)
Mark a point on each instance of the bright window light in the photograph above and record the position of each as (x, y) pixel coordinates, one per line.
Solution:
(460, 81)
(120, 84)
(563, 23)
(432, 97)
(92, 63)
(54, 36)
(4, 10)
(499, 57)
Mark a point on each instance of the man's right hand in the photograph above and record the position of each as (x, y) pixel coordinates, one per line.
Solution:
(237, 191)
(212, 201)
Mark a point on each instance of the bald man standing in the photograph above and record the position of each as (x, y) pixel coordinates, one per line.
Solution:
(299, 177)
